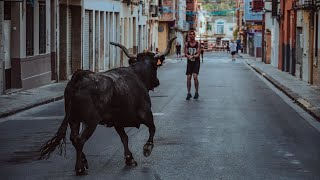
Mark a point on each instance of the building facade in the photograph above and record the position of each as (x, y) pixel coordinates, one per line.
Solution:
(28, 28)
(253, 24)
(45, 41)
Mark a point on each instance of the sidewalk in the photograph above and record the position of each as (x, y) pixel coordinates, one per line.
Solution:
(305, 95)
(308, 97)
(23, 100)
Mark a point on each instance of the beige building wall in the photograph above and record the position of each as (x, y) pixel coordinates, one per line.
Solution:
(163, 36)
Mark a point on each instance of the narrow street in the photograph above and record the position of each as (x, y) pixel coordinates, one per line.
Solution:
(239, 128)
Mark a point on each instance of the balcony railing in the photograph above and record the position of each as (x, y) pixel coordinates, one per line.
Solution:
(307, 4)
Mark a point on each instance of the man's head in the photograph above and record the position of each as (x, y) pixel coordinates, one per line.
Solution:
(192, 35)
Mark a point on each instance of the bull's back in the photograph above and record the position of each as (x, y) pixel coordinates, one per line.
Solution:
(130, 97)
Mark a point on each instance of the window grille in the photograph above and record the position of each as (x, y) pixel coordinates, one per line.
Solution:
(29, 28)
(42, 27)
(7, 10)
(274, 7)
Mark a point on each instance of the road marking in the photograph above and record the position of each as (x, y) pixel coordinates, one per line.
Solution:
(158, 114)
(19, 118)
(28, 118)
(304, 103)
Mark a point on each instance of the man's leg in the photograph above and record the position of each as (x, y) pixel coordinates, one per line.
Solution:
(196, 85)
(202, 57)
(189, 86)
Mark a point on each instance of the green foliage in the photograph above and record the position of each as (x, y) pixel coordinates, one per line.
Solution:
(235, 33)
(209, 27)
(219, 5)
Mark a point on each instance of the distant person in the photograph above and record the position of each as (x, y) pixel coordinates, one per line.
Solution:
(178, 50)
(202, 51)
(192, 52)
(228, 48)
(233, 50)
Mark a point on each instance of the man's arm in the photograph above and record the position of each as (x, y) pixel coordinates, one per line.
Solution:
(198, 51)
(186, 51)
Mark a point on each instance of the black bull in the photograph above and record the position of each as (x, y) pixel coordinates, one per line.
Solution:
(118, 97)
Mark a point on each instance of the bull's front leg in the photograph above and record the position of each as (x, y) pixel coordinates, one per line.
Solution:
(127, 153)
(147, 148)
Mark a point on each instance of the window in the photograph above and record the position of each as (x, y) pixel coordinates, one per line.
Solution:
(29, 28)
(42, 27)
(220, 27)
(7, 10)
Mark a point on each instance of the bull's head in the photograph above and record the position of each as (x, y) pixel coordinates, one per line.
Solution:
(136, 58)
(155, 60)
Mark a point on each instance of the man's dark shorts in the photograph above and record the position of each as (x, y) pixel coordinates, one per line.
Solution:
(178, 52)
(233, 52)
(193, 67)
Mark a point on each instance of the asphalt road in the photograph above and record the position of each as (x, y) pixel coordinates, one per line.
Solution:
(240, 128)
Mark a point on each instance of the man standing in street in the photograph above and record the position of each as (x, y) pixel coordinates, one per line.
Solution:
(178, 51)
(233, 50)
(192, 52)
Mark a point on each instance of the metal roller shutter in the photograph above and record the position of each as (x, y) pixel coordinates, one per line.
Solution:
(69, 46)
(86, 40)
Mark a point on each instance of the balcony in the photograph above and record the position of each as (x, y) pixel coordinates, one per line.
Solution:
(307, 4)
(153, 10)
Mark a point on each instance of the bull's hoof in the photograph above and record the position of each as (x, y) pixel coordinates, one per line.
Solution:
(85, 164)
(130, 161)
(147, 149)
(81, 172)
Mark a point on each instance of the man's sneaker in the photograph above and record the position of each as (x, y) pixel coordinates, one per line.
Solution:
(188, 96)
(196, 96)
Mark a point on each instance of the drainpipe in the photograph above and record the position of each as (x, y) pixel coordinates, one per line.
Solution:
(311, 43)
(263, 38)
(2, 71)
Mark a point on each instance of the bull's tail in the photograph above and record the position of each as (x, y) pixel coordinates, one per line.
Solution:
(58, 139)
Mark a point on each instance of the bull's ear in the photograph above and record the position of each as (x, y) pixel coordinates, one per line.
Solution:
(160, 60)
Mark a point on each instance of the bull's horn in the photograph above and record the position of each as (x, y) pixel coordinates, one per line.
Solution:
(125, 50)
(166, 52)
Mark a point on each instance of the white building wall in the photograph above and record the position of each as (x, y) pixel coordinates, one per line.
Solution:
(109, 10)
(272, 25)
(181, 22)
(275, 43)
(228, 29)
(305, 60)
(201, 27)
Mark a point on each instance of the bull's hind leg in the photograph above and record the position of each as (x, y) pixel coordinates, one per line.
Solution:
(147, 148)
(127, 153)
(78, 142)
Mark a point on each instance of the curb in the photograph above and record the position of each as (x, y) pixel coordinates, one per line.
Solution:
(292, 95)
(31, 105)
